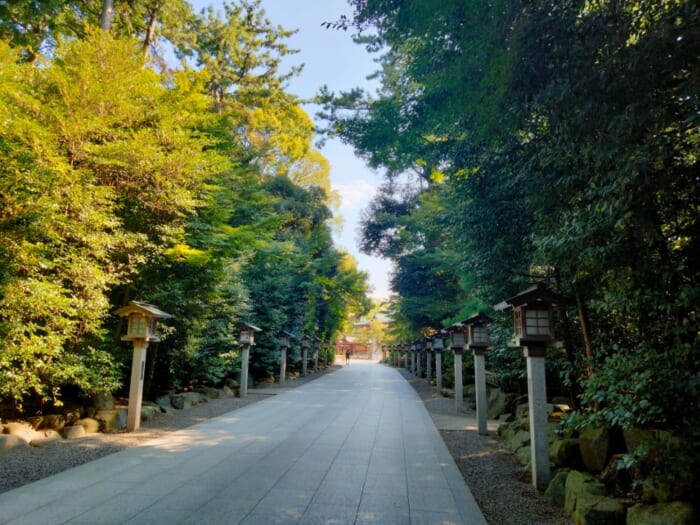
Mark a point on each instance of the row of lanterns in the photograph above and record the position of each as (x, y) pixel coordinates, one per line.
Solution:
(533, 331)
(141, 330)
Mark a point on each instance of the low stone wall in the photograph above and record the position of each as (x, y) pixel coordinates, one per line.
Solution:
(104, 416)
(575, 486)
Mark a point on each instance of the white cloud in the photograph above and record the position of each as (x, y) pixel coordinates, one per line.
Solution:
(356, 195)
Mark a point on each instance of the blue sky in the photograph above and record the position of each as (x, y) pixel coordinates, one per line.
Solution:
(330, 57)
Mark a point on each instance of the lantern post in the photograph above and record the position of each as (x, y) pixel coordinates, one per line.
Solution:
(478, 341)
(534, 331)
(283, 338)
(419, 358)
(304, 355)
(438, 347)
(317, 346)
(141, 329)
(457, 341)
(246, 337)
(405, 356)
(429, 360)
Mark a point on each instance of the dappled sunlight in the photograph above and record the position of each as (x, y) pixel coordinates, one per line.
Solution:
(187, 440)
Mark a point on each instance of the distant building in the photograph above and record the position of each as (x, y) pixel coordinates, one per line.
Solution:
(360, 342)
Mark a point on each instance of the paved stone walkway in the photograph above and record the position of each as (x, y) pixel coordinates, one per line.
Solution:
(352, 447)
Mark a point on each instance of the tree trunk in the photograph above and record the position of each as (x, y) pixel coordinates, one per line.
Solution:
(106, 18)
(151, 30)
(585, 331)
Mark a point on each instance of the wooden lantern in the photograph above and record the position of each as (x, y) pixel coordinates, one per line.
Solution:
(142, 321)
(477, 330)
(533, 314)
(247, 333)
(457, 336)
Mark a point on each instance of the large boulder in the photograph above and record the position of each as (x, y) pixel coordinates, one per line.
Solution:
(50, 436)
(227, 391)
(555, 493)
(497, 402)
(524, 456)
(103, 402)
(35, 421)
(594, 443)
(150, 411)
(53, 421)
(22, 430)
(10, 442)
(579, 484)
(89, 424)
(164, 402)
(186, 399)
(519, 439)
(112, 420)
(599, 510)
(565, 453)
(522, 411)
(674, 513)
(211, 393)
(74, 432)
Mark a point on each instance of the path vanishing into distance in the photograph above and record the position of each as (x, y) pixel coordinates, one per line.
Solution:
(355, 446)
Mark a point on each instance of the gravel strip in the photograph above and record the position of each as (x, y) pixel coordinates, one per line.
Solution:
(500, 485)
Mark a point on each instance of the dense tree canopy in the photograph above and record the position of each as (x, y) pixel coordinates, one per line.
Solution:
(552, 141)
(195, 188)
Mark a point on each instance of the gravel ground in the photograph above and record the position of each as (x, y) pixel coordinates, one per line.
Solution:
(498, 482)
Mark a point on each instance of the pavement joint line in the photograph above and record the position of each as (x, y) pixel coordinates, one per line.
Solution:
(362, 427)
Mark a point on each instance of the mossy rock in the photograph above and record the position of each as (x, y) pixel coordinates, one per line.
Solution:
(674, 513)
(519, 439)
(579, 484)
(524, 456)
(9, 442)
(594, 443)
(565, 453)
(555, 494)
(599, 510)
(522, 411)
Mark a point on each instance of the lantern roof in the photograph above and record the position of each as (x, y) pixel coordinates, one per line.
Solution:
(247, 326)
(145, 309)
(476, 319)
(457, 327)
(537, 294)
(286, 334)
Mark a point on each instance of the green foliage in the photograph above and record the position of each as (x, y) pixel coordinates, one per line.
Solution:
(198, 191)
(563, 139)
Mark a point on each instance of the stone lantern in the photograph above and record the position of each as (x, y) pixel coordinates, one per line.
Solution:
(419, 358)
(478, 341)
(246, 337)
(457, 342)
(141, 330)
(317, 347)
(428, 346)
(283, 338)
(533, 330)
(304, 355)
(438, 347)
